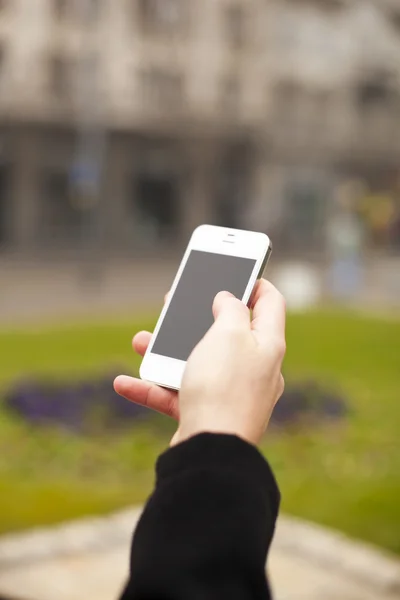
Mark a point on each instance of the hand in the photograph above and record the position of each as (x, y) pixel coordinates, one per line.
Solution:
(233, 377)
(144, 393)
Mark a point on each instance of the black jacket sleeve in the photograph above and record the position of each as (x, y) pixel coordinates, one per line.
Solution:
(207, 528)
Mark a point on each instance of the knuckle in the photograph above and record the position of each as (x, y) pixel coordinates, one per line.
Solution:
(280, 388)
(282, 300)
(171, 407)
(279, 347)
(281, 385)
(233, 329)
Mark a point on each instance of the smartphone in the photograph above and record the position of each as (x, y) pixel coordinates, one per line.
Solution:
(216, 259)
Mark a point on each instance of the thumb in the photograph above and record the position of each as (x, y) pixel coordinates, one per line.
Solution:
(229, 310)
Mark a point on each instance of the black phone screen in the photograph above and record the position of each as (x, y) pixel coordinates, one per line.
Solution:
(189, 315)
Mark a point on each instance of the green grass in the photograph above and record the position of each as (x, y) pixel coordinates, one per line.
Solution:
(346, 475)
(71, 349)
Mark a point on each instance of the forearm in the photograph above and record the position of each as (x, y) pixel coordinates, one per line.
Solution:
(207, 529)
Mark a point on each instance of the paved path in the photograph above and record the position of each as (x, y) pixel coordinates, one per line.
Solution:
(47, 292)
(100, 577)
(30, 292)
(89, 560)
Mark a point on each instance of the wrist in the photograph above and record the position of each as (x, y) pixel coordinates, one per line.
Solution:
(185, 433)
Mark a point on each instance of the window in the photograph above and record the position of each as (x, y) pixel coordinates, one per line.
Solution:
(287, 98)
(394, 18)
(2, 55)
(333, 5)
(92, 10)
(162, 89)
(162, 15)
(61, 222)
(233, 183)
(288, 102)
(230, 95)
(235, 17)
(5, 206)
(303, 213)
(317, 118)
(60, 77)
(323, 103)
(155, 204)
(86, 11)
(375, 92)
(61, 8)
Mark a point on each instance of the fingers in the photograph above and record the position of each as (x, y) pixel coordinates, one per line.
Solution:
(142, 339)
(269, 314)
(146, 394)
(281, 387)
(230, 311)
(141, 342)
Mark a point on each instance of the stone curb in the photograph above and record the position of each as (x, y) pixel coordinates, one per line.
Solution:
(328, 549)
(77, 537)
(375, 569)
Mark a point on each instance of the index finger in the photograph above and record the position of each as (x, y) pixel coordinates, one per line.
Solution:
(269, 313)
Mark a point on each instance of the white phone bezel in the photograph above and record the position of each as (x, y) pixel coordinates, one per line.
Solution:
(166, 371)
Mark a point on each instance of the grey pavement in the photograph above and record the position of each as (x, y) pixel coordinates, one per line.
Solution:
(101, 576)
(45, 291)
(89, 559)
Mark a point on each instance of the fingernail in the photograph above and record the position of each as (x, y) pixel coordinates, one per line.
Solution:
(122, 379)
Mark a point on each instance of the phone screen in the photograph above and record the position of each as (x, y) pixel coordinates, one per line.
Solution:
(189, 315)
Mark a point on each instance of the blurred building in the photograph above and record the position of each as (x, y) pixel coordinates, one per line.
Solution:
(334, 107)
(131, 121)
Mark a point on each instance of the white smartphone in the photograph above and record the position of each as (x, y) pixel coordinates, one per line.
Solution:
(216, 259)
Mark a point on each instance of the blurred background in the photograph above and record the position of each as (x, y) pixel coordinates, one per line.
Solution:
(123, 125)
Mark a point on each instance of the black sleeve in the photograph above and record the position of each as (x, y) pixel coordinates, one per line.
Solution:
(207, 528)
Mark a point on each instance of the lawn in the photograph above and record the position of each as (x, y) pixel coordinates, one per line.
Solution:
(345, 475)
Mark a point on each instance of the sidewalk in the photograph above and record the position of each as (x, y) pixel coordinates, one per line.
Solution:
(48, 292)
(45, 292)
(89, 559)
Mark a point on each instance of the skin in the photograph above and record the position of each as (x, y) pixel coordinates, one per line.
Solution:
(233, 378)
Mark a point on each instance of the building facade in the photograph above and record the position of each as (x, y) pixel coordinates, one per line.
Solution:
(124, 123)
(334, 108)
